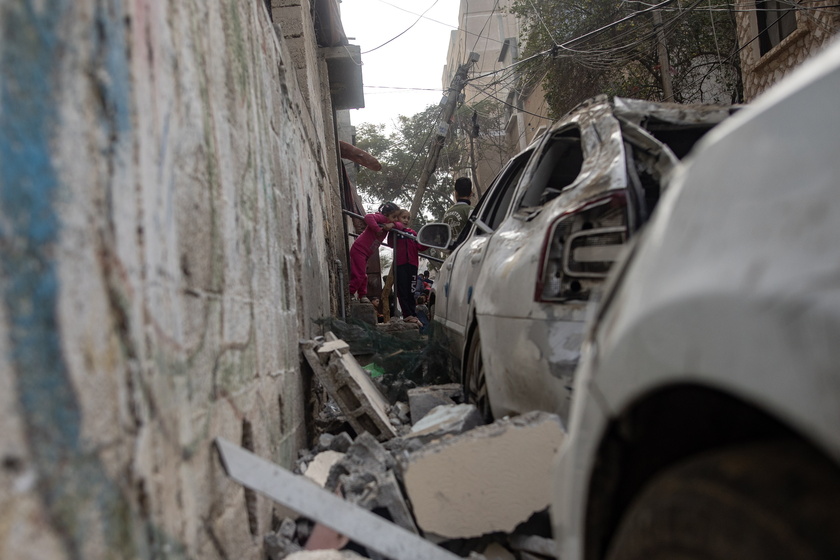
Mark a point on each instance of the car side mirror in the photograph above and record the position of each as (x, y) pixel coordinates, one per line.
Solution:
(437, 236)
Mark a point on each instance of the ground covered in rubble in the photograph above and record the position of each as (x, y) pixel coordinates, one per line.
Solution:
(391, 435)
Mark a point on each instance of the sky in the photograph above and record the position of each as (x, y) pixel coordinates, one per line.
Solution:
(413, 61)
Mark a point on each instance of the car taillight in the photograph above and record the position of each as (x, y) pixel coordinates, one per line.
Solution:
(580, 248)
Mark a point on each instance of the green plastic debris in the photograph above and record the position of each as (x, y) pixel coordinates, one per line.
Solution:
(374, 370)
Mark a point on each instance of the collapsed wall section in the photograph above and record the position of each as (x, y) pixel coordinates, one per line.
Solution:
(163, 249)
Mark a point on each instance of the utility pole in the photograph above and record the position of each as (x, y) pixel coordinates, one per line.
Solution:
(451, 103)
(664, 63)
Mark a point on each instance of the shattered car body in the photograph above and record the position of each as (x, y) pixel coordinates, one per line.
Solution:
(512, 296)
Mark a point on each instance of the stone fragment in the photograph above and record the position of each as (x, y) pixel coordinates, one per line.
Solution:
(489, 479)
(422, 400)
(533, 544)
(324, 442)
(278, 546)
(288, 528)
(365, 475)
(318, 470)
(341, 442)
(402, 411)
(446, 419)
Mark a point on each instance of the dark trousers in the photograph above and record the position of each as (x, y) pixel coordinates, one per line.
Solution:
(405, 276)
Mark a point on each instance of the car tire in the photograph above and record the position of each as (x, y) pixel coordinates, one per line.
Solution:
(475, 382)
(765, 501)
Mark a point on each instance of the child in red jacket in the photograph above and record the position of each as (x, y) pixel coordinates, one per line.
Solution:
(407, 260)
(378, 226)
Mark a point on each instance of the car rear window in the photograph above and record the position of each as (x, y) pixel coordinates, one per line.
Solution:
(559, 166)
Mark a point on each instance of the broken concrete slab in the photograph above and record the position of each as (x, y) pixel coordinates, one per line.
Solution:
(331, 346)
(361, 402)
(488, 479)
(421, 400)
(318, 470)
(446, 419)
(364, 527)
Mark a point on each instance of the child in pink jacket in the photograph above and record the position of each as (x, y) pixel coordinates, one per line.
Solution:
(378, 225)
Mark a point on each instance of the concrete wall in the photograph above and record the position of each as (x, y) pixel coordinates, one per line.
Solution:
(817, 21)
(165, 232)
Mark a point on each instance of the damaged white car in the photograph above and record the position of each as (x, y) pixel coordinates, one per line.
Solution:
(705, 421)
(512, 296)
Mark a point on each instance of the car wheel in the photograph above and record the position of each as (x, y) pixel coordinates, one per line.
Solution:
(764, 501)
(475, 382)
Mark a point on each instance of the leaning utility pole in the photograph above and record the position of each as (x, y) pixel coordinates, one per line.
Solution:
(449, 106)
(664, 63)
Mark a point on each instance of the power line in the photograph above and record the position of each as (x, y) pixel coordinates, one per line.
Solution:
(403, 32)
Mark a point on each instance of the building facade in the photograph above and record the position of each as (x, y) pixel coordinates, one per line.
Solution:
(775, 36)
(487, 27)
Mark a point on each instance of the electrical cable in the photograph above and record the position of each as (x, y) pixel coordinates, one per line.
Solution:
(403, 32)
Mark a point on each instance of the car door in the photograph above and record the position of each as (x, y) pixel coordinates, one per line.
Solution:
(461, 272)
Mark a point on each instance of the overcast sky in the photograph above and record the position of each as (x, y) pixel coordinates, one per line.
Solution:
(413, 61)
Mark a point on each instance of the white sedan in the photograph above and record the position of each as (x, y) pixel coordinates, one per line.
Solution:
(706, 417)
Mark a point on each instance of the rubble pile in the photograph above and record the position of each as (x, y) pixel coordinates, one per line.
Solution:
(438, 483)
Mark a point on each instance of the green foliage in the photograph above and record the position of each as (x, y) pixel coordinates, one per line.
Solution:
(622, 59)
(402, 154)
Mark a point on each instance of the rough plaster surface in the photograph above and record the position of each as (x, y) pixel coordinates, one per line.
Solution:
(488, 479)
(164, 243)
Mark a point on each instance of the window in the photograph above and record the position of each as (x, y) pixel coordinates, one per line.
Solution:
(776, 20)
(496, 210)
(558, 168)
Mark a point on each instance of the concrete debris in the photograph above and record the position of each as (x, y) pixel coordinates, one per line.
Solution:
(363, 312)
(366, 476)
(319, 469)
(327, 348)
(284, 541)
(533, 544)
(446, 419)
(488, 479)
(361, 402)
(334, 442)
(421, 400)
(278, 547)
(402, 411)
(366, 528)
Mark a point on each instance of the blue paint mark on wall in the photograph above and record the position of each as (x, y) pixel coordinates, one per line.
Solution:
(71, 478)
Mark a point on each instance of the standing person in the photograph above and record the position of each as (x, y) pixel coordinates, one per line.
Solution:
(378, 226)
(406, 261)
(459, 213)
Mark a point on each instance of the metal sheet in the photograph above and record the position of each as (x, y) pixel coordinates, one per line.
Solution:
(307, 498)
